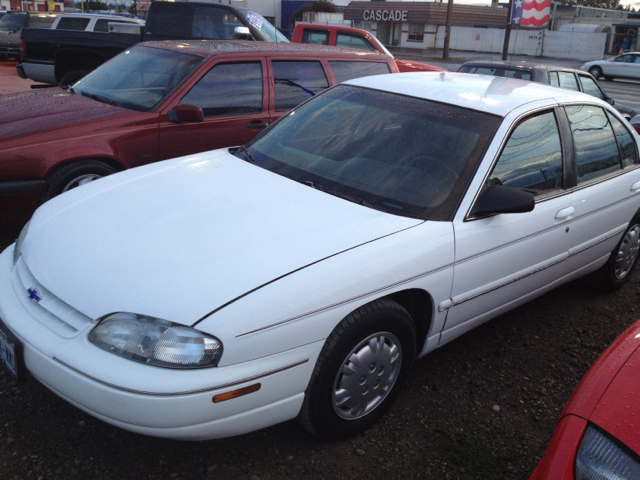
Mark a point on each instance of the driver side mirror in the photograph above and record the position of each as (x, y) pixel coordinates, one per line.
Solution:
(186, 113)
(501, 199)
(242, 33)
(610, 101)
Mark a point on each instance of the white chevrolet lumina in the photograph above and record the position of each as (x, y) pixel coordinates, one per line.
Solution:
(301, 274)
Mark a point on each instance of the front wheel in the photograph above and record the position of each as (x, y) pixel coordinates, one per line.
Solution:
(73, 175)
(613, 274)
(360, 371)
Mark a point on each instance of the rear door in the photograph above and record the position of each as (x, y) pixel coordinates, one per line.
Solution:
(234, 97)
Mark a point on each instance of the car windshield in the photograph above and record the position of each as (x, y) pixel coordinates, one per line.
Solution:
(390, 152)
(138, 78)
(12, 23)
(267, 30)
(382, 47)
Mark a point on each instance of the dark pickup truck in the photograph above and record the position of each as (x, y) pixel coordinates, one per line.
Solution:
(64, 56)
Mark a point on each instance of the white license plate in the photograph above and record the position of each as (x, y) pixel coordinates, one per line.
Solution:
(9, 352)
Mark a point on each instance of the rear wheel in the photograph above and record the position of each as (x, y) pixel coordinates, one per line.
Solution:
(613, 274)
(360, 371)
(74, 175)
(596, 72)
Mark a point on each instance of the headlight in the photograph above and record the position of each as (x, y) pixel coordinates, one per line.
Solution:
(600, 458)
(16, 251)
(154, 341)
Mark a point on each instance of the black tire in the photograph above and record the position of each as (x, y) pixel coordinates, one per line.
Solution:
(378, 378)
(72, 77)
(596, 72)
(72, 175)
(623, 260)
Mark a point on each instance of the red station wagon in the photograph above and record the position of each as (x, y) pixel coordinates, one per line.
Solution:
(155, 101)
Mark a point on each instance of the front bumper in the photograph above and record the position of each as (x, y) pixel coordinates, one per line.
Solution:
(9, 49)
(151, 400)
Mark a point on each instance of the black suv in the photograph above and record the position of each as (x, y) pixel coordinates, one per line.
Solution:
(562, 77)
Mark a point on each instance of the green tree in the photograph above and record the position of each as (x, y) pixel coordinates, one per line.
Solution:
(610, 4)
(316, 6)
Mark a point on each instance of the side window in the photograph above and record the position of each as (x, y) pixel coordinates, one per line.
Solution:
(637, 59)
(214, 23)
(532, 158)
(596, 147)
(517, 74)
(315, 37)
(102, 25)
(353, 41)
(297, 81)
(568, 81)
(72, 23)
(625, 142)
(168, 20)
(553, 79)
(624, 59)
(590, 87)
(228, 89)
(344, 71)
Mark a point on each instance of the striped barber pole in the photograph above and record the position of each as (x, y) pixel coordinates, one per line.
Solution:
(530, 13)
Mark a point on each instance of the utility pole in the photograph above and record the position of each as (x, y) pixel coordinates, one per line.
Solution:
(507, 32)
(447, 31)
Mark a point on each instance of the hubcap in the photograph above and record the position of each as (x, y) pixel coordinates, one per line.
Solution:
(81, 180)
(367, 375)
(628, 252)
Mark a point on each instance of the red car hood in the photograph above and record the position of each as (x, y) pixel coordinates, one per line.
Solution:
(618, 411)
(47, 109)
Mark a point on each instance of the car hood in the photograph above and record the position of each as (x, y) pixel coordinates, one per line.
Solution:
(413, 66)
(618, 411)
(48, 109)
(181, 238)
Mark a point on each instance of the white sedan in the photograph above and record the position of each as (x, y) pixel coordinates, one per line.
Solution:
(300, 275)
(622, 66)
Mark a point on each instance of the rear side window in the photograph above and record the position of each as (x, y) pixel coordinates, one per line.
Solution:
(72, 23)
(297, 81)
(168, 20)
(568, 81)
(590, 87)
(214, 23)
(315, 37)
(532, 158)
(344, 71)
(596, 147)
(228, 89)
(625, 142)
(553, 79)
(353, 41)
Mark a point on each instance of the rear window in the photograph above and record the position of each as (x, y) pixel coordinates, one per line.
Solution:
(497, 72)
(315, 37)
(167, 19)
(72, 23)
(344, 71)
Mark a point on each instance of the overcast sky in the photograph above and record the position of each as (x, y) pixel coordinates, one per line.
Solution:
(634, 3)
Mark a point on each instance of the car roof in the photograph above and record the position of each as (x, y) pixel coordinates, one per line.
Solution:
(486, 93)
(99, 15)
(521, 65)
(209, 48)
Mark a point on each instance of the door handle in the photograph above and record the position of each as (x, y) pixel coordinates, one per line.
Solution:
(635, 187)
(565, 213)
(258, 125)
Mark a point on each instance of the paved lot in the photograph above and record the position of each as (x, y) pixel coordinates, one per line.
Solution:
(10, 82)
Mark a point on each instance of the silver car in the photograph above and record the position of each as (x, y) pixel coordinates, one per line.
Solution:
(622, 66)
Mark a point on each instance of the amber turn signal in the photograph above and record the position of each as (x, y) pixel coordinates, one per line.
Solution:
(236, 393)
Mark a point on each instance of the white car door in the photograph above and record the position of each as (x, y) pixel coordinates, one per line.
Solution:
(607, 182)
(506, 259)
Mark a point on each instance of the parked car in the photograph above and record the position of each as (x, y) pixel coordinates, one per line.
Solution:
(12, 23)
(155, 101)
(301, 274)
(596, 436)
(343, 36)
(91, 22)
(622, 66)
(63, 57)
(562, 77)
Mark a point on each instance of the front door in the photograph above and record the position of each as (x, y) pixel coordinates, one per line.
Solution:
(234, 100)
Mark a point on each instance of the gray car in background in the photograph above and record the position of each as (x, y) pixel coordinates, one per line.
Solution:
(13, 22)
(568, 78)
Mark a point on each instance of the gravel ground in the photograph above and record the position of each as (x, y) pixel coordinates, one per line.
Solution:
(482, 407)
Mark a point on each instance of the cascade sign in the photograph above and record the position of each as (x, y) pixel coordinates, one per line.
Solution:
(386, 15)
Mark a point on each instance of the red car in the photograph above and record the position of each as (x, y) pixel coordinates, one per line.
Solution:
(317, 34)
(155, 101)
(598, 434)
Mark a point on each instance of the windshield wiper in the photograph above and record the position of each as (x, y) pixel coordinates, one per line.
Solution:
(248, 156)
(101, 99)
